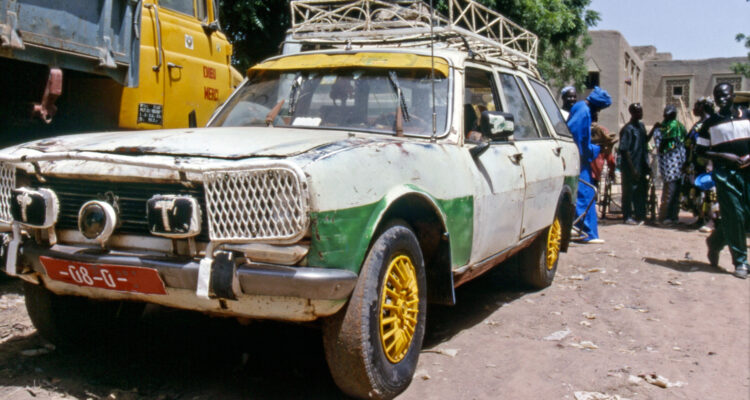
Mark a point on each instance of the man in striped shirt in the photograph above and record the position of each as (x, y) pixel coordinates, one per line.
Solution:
(725, 139)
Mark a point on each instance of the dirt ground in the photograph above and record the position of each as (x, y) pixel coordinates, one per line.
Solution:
(644, 305)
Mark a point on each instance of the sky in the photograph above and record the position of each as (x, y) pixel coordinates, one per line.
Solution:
(689, 29)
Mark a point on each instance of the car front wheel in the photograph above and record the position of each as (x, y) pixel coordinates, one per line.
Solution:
(373, 344)
(70, 321)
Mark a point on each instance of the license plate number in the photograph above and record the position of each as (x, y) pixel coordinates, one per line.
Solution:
(120, 278)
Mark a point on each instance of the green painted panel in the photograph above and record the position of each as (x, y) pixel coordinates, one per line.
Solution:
(340, 238)
(572, 182)
(460, 222)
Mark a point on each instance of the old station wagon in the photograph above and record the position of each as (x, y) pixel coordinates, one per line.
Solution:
(378, 164)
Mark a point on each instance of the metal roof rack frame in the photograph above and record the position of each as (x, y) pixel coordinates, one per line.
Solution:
(469, 27)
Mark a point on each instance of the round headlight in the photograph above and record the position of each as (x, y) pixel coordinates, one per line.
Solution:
(97, 220)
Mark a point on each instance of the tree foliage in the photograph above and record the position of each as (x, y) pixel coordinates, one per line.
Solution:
(743, 68)
(257, 27)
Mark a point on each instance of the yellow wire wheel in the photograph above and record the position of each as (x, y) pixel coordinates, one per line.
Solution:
(554, 239)
(399, 308)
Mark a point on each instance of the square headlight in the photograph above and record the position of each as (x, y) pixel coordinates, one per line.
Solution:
(173, 216)
(34, 208)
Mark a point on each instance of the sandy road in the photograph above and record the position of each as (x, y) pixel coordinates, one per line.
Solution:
(645, 303)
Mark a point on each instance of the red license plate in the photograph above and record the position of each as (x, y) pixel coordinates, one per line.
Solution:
(113, 277)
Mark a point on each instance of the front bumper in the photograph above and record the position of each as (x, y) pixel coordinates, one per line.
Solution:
(265, 290)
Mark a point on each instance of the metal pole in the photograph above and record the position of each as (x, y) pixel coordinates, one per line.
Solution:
(432, 71)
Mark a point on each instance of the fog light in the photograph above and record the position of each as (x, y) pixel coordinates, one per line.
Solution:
(34, 208)
(97, 220)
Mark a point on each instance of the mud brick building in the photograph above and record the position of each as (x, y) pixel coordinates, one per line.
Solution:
(642, 74)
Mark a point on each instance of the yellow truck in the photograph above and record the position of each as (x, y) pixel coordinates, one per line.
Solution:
(73, 66)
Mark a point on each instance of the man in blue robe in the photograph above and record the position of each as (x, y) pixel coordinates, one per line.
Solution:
(579, 123)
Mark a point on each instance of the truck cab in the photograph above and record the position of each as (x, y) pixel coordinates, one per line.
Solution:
(68, 67)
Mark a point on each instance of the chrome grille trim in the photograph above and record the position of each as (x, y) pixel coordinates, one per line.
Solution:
(7, 184)
(263, 204)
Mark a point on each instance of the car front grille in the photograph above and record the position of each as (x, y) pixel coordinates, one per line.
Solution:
(128, 198)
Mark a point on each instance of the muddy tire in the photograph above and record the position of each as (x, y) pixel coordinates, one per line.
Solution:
(372, 345)
(70, 321)
(538, 262)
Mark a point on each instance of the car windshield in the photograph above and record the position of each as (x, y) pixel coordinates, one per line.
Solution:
(341, 98)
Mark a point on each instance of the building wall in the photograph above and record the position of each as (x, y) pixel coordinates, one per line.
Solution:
(642, 74)
(682, 82)
(621, 73)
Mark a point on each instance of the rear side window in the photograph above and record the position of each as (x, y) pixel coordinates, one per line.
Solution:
(525, 126)
(534, 109)
(183, 6)
(549, 105)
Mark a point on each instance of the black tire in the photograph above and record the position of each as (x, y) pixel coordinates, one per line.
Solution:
(69, 321)
(538, 262)
(358, 358)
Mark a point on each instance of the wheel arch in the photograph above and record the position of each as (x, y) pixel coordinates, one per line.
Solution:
(428, 220)
(566, 211)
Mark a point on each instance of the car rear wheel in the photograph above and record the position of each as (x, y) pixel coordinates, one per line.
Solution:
(538, 262)
(373, 344)
(69, 321)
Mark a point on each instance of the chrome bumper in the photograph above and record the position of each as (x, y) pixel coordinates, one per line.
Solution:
(254, 278)
(266, 290)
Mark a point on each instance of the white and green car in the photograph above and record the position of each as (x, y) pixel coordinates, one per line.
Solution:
(349, 186)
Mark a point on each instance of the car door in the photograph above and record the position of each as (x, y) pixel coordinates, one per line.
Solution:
(195, 59)
(498, 174)
(541, 161)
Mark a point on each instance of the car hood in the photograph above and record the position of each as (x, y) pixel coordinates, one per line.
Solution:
(221, 143)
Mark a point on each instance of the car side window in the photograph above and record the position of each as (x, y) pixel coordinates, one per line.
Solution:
(550, 106)
(534, 109)
(183, 6)
(479, 95)
(525, 126)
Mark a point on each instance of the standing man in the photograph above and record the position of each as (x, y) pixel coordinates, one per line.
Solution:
(579, 123)
(725, 139)
(633, 152)
(569, 98)
(695, 165)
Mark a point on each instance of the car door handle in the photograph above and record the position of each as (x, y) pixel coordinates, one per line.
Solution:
(557, 150)
(516, 158)
(171, 65)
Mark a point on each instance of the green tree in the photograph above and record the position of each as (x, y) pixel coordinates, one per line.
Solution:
(743, 68)
(257, 27)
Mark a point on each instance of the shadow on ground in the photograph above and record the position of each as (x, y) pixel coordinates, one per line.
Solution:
(685, 265)
(175, 354)
(10, 285)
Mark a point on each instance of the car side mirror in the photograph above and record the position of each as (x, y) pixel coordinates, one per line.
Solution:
(211, 27)
(497, 125)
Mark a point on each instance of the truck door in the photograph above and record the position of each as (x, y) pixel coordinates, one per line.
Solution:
(196, 56)
(498, 175)
(541, 161)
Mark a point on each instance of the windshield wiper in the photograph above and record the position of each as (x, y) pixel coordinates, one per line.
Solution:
(402, 113)
(295, 91)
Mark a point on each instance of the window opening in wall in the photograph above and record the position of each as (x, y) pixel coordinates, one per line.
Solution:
(677, 92)
(735, 81)
(592, 80)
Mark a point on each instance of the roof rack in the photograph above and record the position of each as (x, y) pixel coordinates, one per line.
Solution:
(469, 27)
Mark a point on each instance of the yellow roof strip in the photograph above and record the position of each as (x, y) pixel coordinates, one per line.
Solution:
(361, 60)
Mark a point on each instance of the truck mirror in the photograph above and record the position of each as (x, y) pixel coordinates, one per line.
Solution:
(211, 27)
(497, 125)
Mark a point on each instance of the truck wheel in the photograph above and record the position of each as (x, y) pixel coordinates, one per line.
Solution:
(538, 262)
(373, 344)
(69, 321)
